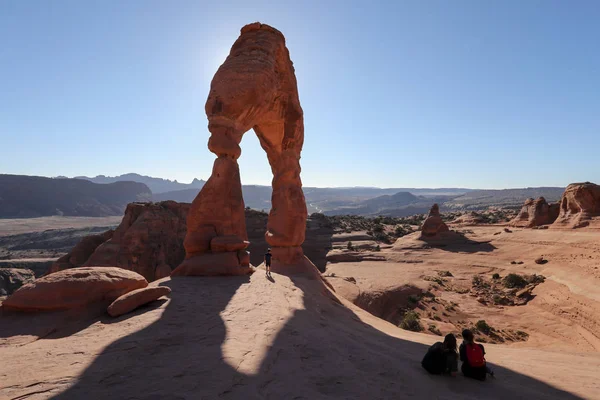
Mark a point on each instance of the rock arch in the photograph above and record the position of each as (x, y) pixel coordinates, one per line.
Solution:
(255, 88)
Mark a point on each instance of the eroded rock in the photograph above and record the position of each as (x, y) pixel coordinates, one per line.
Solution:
(433, 224)
(535, 213)
(579, 206)
(81, 252)
(149, 238)
(255, 88)
(74, 288)
(136, 298)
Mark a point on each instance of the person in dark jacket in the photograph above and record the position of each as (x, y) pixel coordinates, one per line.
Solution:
(268, 257)
(441, 358)
(472, 356)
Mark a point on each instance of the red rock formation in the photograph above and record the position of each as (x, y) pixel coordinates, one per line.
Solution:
(469, 219)
(136, 298)
(81, 252)
(433, 224)
(148, 240)
(535, 213)
(73, 288)
(255, 88)
(579, 206)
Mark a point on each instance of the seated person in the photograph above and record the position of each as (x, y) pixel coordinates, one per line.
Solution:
(441, 358)
(472, 356)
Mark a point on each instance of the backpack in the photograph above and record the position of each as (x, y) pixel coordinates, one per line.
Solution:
(475, 355)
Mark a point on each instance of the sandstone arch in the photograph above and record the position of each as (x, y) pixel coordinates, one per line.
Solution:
(255, 88)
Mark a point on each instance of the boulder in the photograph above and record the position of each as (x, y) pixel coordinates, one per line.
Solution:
(579, 207)
(433, 224)
(13, 278)
(136, 298)
(535, 213)
(74, 288)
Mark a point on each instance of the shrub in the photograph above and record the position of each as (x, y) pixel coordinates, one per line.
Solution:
(377, 228)
(483, 327)
(433, 329)
(445, 273)
(378, 248)
(535, 279)
(496, 276)
(381, 237)
(413, 299)
(514, 281)
(411, 322)
(477, 280)
(350, 246)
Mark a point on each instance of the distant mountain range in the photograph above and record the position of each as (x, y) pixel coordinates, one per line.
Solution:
(26, 196)
(35, 196)
(156, 185)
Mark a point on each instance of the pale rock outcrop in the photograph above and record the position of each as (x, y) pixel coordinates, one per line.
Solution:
(136, 298)
(255, 88)
(535, 213)
(73, 288)
(579, 206)
(433, 224)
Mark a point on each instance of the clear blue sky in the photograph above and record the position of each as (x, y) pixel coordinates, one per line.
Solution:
(484, 94)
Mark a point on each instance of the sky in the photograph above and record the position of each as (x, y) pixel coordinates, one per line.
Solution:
(477, 94)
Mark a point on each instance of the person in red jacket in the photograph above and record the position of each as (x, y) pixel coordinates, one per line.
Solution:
(472, 356)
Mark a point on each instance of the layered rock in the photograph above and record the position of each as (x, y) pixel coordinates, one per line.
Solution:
(149, 240)
(136, 298)
(469, 219)
(73, 288)
(535, 213)
(433, 224)
(579, 206)
(255, 88)
(12, 279)
(81, 252)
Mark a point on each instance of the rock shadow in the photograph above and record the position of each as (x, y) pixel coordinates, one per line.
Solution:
(323, 351)
(457, 242)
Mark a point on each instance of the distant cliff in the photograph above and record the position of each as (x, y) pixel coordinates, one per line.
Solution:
(34, 196)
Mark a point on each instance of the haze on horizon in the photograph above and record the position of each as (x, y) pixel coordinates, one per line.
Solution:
(411, 94)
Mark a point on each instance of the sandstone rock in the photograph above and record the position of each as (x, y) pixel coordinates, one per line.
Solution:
(336, 256)
(73, 288)
(433, 224)
(136, 298)
(579, 206)
(221, 244)
(469, 219)
(81, 252)
(540, 260)
(12, 279)
(149, 237)
(162, 271)
(244, 257)
(535, 213)
(255, 88)
(212, 264)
